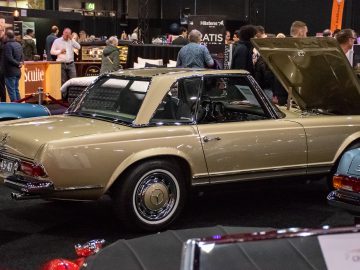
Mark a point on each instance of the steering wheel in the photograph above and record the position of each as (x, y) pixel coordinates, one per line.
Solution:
(205, 109)
(218, 111)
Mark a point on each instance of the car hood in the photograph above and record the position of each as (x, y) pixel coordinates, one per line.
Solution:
(315, 71)
(25, 137)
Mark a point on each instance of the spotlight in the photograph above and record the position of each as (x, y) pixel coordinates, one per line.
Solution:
(16, 13)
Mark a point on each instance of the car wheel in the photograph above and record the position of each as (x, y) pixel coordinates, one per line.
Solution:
(151, 195)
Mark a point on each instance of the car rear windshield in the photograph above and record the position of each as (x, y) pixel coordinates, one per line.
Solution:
(113, 99)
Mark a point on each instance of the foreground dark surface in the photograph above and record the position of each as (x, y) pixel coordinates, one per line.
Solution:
(32, 232)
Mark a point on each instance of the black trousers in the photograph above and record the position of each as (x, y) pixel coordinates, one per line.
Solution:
(2, 88)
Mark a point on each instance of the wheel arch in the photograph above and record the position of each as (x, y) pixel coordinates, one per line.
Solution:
(150, 154)
(350, 142)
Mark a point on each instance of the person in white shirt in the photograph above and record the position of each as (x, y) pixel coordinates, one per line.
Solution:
(346, 39)
(63, 48)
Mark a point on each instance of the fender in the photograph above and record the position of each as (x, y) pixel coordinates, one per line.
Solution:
(145, 154)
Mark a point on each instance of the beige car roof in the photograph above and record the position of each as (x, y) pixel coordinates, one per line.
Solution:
(161, 81)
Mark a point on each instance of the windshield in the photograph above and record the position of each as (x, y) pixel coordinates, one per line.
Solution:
(112, 98)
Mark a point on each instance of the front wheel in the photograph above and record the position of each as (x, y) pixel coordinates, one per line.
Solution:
(150, 196)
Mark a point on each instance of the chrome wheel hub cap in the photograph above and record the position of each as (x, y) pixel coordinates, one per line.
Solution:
(156, 196)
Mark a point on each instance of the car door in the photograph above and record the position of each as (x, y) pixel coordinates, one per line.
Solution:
(240, 138)
(174, 121)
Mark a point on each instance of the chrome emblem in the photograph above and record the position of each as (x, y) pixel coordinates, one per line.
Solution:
(301, 53)
(157, 197)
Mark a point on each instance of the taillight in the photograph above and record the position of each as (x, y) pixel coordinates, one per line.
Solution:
(32, 169)
(346, 183)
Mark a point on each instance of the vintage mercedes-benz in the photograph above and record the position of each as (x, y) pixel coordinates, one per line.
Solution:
(147, 136)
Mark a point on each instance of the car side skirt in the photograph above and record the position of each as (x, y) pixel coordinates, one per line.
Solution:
(268, 173)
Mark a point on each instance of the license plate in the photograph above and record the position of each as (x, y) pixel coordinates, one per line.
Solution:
(8, 166)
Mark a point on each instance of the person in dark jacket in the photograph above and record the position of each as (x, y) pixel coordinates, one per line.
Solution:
(182, 38)
(264, 77)
(110, 58)
(29, 47)
(242, 55)
(13, 61)
(49, 42)
(2, 78)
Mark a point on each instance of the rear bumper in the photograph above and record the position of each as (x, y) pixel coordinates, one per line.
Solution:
(29, 185)
(345, 199)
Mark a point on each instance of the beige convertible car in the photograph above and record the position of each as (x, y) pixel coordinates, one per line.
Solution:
(148, 136)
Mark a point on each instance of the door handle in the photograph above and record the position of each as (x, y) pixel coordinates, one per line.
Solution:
(208, 139)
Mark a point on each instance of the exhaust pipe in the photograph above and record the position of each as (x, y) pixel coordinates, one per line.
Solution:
(23, 196)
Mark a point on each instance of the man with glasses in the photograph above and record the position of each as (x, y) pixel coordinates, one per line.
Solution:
(346, 39)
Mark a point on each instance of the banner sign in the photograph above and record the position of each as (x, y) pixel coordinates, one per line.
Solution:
(337, 14)
(213, 30)
(34, 76)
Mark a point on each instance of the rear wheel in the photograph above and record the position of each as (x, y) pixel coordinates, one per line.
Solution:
(151, 195)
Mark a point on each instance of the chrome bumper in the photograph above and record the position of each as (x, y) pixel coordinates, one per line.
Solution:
(29, 187)
(345, 199)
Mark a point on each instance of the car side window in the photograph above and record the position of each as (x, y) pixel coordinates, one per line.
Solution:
(179, 104)
(229, 99)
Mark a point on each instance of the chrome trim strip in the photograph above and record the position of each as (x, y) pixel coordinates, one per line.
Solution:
(261, 170)
(257, 176)
(80, 188)
(319, 169)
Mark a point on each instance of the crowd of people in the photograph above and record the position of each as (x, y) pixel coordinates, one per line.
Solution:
(63, 49)
(193, 54)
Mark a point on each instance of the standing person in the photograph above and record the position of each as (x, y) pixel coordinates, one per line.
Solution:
(182, 38)
(280, 95)
(236, 37)
(63, 48)
(28, 44)
(260, 32)
(13, 61)
(123, 35)
(110, 58)
(298, 29)
(2, 77)
(83, 37)
(228, 40)
(262, 73)
(327, 33)
(194, 55)
(243, 53)
(346, 39)
(49, 42)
